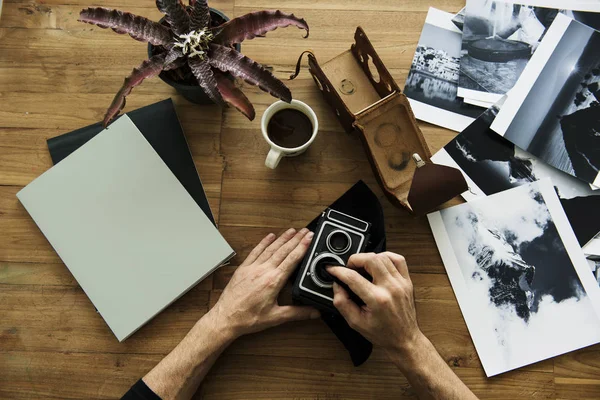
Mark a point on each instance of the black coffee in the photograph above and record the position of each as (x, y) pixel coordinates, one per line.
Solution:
(289, 128)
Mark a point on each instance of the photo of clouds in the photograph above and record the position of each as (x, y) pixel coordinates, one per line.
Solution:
(525, 288)
(493, 164)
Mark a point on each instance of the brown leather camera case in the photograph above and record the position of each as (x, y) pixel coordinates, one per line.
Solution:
(366, 99)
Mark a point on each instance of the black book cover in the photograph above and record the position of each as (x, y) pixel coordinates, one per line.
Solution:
(159, 124)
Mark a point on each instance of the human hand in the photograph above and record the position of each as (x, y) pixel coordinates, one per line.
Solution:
(388, 318)
(249, 302)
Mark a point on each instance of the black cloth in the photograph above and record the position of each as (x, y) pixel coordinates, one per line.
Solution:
(140, 391)
(360, 202)
(159, 124)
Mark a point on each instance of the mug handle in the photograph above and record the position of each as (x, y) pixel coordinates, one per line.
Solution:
(273, 158)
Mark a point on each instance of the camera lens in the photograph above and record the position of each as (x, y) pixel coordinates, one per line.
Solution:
(319, 272)
(339, 242)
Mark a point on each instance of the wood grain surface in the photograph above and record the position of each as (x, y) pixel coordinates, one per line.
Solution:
(57, 74)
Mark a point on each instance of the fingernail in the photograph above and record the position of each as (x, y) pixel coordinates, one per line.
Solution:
(290, 231)
(310, 235)
(271, 236)
(336, 286)
(303, 231)
(315, 314)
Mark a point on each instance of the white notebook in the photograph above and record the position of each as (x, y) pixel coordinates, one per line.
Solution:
(128, 231)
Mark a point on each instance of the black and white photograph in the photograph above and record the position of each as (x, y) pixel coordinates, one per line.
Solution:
(492, 164)
(459, 18)
(432, 81)
(554, 110)
(499, 39)
(592, 248)
(524, 286)
(479, 103)
(594, 262)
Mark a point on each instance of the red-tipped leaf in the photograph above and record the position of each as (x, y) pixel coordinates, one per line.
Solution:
(228, 60)
(175, 15)
(203, 73)
(200, 15)
(256, 24)
(147, 69)
(234, 96)
(137, 27)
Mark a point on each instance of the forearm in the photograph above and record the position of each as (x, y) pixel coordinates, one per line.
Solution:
(247, 305)
(180, 373)
(427, 372)
(390, 321)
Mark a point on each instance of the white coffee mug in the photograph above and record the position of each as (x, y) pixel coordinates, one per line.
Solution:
(277, 152)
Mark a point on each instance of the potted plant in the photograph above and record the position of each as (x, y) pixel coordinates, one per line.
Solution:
(199, 51)
(183, 79)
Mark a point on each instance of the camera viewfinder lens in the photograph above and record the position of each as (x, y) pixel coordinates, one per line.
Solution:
(339, 242)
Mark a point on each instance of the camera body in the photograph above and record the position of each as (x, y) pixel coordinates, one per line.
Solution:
(336, 238)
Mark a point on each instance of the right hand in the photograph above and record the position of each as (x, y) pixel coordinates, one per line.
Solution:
(388, 318)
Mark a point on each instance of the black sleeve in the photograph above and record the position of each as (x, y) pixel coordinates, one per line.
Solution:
(140, 391)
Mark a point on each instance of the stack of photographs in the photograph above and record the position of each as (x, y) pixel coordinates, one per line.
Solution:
(524, 251)
(432, 82)
(465, 62)
(492, 164)
(500, 37)
(554, 111)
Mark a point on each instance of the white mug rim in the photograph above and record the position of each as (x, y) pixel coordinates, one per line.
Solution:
(282, 105)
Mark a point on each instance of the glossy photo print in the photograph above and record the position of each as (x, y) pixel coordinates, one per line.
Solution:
(432, 81)
(492, 164)
(524, 286)
(500, 37)
(554, 110)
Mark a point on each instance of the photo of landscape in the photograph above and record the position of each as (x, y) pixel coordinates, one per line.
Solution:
(433, 76)
(525, 289)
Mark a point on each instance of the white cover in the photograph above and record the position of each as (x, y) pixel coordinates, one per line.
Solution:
(126, 228)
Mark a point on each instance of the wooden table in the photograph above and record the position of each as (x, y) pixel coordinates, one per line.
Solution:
(57, 74)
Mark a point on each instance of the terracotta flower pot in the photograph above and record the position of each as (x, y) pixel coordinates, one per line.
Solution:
(192, 92)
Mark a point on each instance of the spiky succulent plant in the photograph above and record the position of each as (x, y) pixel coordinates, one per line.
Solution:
(188, 37)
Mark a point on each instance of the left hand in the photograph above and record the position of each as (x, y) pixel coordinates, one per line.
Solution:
(249, 302)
